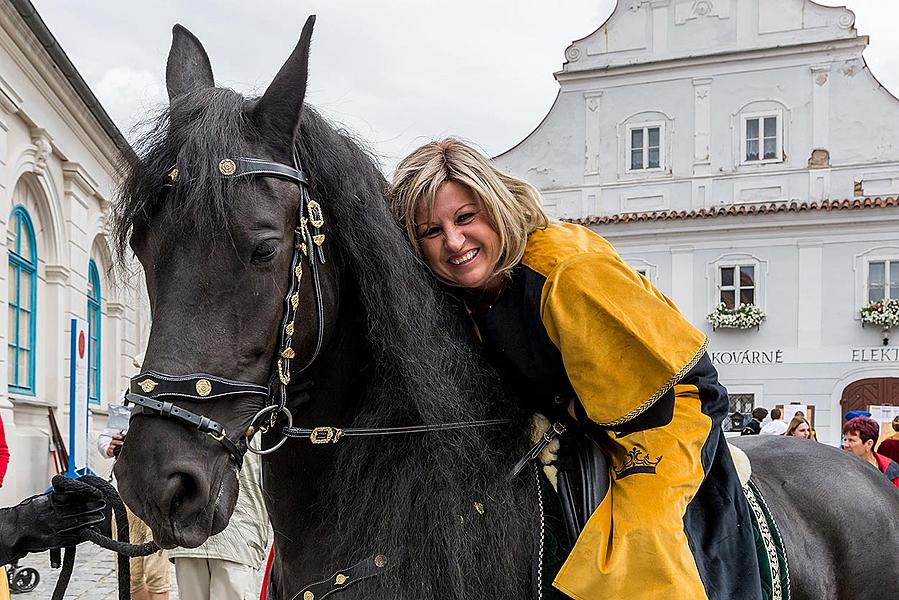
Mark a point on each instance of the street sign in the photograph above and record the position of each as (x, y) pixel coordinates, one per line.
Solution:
(78, 425)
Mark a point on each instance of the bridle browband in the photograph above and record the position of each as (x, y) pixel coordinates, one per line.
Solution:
(152, 392)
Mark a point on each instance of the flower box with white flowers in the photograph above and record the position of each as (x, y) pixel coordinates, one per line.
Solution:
(883, 314)
(744, 316)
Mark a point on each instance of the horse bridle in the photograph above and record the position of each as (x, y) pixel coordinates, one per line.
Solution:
(152, 392)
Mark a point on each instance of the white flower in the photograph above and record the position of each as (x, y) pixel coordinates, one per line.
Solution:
(744, 316)
(883, 313)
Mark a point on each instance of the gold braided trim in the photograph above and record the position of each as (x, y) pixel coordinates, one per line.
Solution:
(662, 391)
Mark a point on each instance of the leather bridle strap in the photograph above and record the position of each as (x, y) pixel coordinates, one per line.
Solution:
(332, 435)
(203, 424)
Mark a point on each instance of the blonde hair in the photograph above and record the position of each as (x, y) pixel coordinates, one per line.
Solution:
(512, 205)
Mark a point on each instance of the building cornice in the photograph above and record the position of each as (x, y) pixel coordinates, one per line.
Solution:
(857, 43)
(45, 63)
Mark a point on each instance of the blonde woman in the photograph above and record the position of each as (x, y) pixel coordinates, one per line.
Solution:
(573, 329)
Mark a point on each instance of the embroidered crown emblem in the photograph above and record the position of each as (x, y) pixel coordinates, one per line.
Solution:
(637, 461)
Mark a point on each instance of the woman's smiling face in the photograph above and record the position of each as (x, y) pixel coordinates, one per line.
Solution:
(458, 241)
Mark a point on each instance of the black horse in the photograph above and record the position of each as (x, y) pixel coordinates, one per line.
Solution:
(423, 515)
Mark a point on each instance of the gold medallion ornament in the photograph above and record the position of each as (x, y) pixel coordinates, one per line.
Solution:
(227, 167)
(380, 561)
(288, 353)
(315, 214)
(204, 387)
(340, 579)
(295, 299)
(289, 329)
(308, 596)
(298, 271)
(319, 239)
(173, 174)
(147, 385)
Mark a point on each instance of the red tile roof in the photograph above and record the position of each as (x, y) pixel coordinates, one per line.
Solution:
(754, 209)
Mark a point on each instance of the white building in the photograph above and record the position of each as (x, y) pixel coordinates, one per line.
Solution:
(740, 150)
(58, 151)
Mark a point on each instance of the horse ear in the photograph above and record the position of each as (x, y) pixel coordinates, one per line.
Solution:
(188, 66)
(280, 106)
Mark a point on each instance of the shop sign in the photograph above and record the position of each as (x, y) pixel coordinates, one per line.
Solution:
(869, 355)
(748, 357)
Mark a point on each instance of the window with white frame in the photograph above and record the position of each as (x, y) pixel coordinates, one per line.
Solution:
(736, 285)
(883, 279)
(645, 144)
(762, 137)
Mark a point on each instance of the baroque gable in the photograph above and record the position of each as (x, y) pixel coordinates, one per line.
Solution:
(641, 31)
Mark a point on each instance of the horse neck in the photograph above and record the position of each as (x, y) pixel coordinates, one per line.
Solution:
(297, 476)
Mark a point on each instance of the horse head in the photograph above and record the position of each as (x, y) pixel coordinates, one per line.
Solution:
(217, 211)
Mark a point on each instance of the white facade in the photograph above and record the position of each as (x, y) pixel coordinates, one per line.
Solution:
(700, 136)
(57, 168)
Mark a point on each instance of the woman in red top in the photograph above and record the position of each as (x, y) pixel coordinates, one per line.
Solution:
(890, 446)
(4, 453)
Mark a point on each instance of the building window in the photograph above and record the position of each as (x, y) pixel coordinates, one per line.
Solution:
(644, 146)
(883, 280)
(22, 303)
(739, 411)
(761, 138)
(737, 285)
(93, 329)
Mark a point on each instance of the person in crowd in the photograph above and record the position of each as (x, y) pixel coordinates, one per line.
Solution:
(149, 574)
(859, 436)
(4, 453)
(890, 446)
(226, 565)
(776, 425)
(798, 427)
(575, 331)
(4, 463)
(754, 426)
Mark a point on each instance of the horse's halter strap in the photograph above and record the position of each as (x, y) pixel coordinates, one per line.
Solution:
(150, 387)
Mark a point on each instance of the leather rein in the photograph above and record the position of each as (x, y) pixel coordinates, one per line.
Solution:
(153, 392)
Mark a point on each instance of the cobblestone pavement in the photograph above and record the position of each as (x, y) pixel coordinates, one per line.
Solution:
(94, 577)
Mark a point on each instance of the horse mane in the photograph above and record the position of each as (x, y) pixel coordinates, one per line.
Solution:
(445, 498)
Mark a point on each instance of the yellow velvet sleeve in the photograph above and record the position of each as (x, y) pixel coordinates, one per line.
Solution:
(623, 343)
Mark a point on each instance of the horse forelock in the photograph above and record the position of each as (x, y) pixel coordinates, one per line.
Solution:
(192, 135)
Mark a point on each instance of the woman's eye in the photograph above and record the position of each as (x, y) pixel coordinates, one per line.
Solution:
(264, 252)
(465, 218)
(431, 232)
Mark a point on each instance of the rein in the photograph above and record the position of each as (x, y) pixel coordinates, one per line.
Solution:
(153, 392)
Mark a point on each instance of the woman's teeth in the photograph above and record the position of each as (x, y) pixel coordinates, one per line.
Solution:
(468, 256)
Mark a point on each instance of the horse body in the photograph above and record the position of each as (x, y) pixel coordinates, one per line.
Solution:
(836, 516)
(438, 507)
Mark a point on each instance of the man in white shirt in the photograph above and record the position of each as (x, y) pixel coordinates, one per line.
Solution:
(776, 425)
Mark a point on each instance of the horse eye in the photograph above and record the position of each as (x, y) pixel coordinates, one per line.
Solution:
(264, 252)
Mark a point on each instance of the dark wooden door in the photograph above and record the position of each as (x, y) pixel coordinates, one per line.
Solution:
(858, 395)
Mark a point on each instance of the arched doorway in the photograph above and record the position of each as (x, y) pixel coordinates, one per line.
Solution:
(860, 394)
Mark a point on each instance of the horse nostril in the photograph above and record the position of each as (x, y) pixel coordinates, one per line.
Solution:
(182, 496)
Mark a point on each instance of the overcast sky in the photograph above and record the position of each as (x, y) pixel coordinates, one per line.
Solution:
(395, 72)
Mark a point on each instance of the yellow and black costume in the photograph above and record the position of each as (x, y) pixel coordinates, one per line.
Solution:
(576, 322)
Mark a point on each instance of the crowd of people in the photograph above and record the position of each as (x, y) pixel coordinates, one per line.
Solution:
(860, 436)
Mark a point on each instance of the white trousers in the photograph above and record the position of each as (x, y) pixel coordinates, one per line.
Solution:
(215, 579)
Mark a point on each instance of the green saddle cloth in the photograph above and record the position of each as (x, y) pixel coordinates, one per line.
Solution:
(769, 546)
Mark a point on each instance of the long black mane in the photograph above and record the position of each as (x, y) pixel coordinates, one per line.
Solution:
(445, 497)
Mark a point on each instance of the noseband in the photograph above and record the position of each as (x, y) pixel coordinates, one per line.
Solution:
(152, 392)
